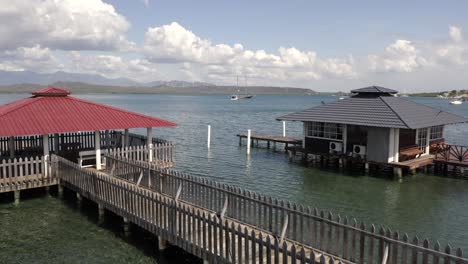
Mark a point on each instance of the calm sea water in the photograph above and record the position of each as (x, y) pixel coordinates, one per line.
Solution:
(423, 205)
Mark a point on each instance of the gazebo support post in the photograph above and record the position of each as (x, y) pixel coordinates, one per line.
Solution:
(149, 143)
(56, 143)
(97, 145)
(108, 140)
(11, 147)
(126, 138)
(45, 144)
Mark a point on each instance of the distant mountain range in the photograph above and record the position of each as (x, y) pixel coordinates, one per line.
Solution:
(27, 81)
(16, 77)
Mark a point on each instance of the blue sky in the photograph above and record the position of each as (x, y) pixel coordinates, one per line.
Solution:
(333, 28)
(322, 45)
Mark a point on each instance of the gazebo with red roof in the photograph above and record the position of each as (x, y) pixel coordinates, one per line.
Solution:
(52, 110)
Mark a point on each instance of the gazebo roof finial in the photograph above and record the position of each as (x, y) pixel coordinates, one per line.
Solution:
(51, 91)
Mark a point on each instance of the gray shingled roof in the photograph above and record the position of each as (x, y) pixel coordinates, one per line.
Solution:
(379, 111)
(374, 89)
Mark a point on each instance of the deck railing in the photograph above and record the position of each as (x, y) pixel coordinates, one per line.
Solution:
(451, 153)
(197, 230)
(79, 141)
(340, 236)
(162, 154)
(25, 173)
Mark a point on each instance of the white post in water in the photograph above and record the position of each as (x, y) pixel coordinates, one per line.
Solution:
(45, 144)
(209, 136)
(248, 142)
(284, 128)
(97, 147)
(149, 143)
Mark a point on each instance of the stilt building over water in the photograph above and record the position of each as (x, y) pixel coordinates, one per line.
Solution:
(375, 126)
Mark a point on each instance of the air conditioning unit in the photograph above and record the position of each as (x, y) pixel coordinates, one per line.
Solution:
(359, 150)
(335, 147)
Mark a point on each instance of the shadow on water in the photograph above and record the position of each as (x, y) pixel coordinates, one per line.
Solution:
(144, 243)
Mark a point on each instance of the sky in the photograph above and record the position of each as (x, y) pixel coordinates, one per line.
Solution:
(410, 46)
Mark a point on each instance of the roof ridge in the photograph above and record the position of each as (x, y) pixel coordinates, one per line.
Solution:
(381, 98)
(117, 109)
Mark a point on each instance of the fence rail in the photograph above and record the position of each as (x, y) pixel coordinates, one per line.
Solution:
(342, 237)
(451, 153)
(197, 230)
(25, 173)
(79, 141)
(162, 154)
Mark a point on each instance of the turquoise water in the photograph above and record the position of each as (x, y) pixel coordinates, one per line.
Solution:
(428, 206)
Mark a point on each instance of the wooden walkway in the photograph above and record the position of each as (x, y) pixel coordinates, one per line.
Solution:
(199, 231)
(256, 138)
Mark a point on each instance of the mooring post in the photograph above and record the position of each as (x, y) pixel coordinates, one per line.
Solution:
(398, 172)
(284, 128)
(101, 213)
(248, 142)
(60, 190)
(126, 227)
(79, 200)
(162, 244)
(17, 195)
(366, 167)
(209, 137)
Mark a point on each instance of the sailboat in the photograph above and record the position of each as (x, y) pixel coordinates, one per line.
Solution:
(456, 102)
(236, 97)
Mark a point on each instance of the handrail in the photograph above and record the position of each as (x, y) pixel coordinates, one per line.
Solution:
(324, 226)
(182, 224)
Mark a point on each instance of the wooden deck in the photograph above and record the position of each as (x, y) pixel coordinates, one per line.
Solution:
(415, 163)
(256, 138)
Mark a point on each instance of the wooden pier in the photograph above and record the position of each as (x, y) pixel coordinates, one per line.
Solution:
(256, 138)
(217, 222)
(227, 224)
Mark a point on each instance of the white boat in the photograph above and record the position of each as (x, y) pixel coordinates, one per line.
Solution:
(342, 98)
(236, 97)
(456, 102)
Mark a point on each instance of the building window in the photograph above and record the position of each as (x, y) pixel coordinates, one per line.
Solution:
(437, 132)
(324, 130)
(422, 138)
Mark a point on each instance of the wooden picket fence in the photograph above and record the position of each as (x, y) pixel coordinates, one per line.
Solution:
(341, 237)
(24, 173)
(195, 229)
(162, 153)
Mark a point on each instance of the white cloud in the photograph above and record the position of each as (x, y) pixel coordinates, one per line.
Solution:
(113, 66)
(173, 43)
(455, 34)
(401, 56)
(453, 51)
(34, 58)
(146, 2)
(62, 24)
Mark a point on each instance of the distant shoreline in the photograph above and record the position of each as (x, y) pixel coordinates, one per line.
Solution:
(85, 88)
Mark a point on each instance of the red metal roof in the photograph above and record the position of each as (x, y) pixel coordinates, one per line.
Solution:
(50, 111)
